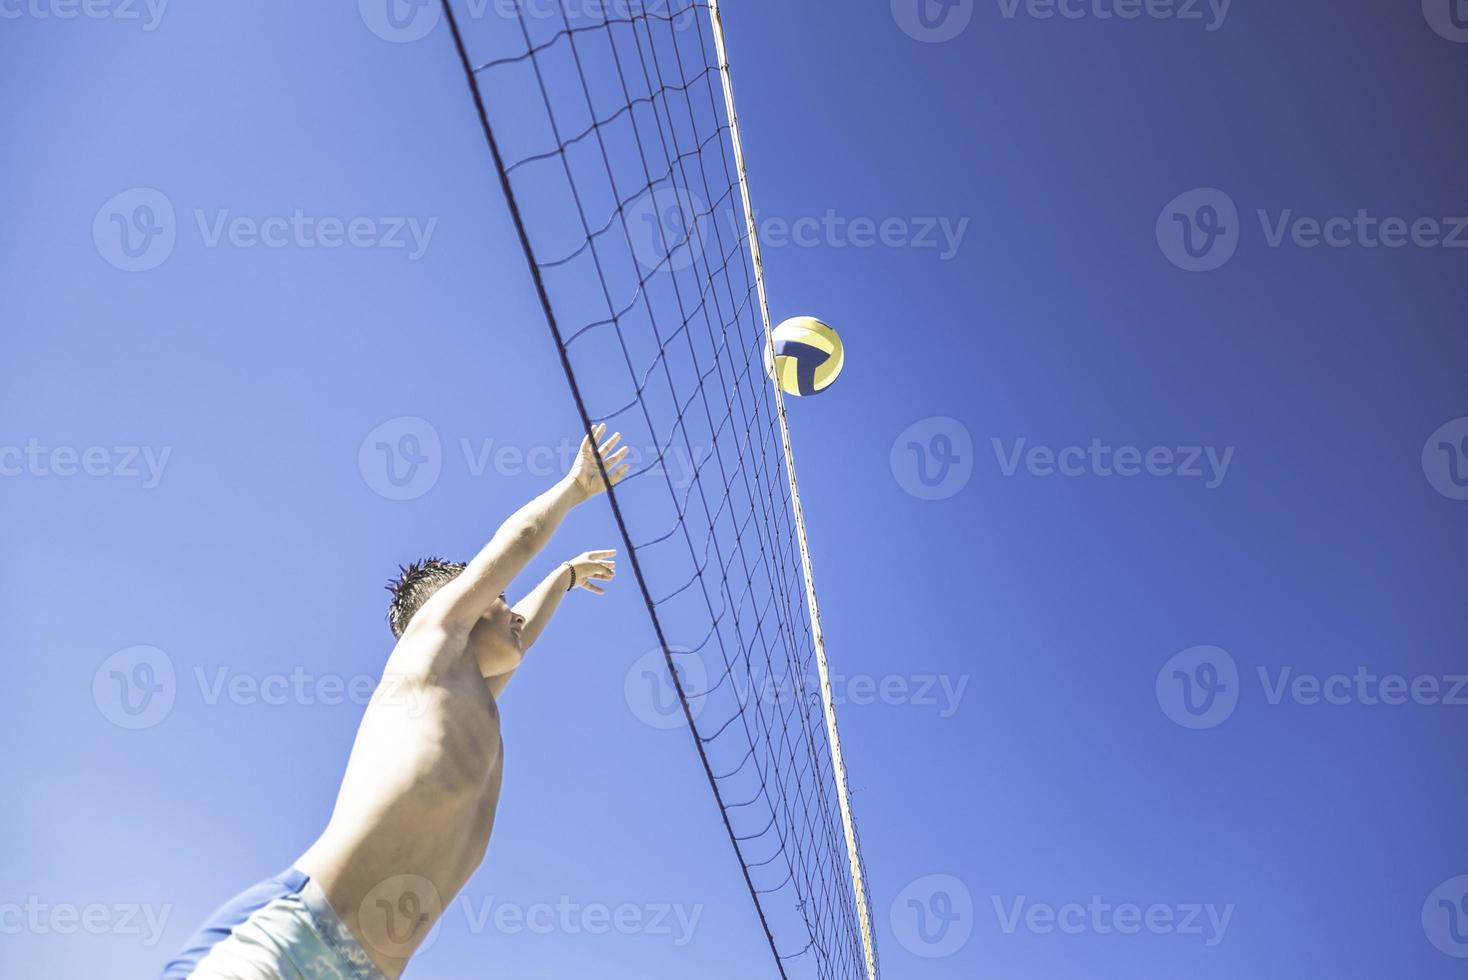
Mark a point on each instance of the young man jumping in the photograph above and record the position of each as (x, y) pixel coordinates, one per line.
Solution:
(413, 817)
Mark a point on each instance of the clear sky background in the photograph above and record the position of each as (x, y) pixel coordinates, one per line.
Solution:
(1035, 749)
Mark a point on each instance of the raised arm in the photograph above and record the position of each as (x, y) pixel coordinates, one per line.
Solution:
(585, 571)
(461, 603)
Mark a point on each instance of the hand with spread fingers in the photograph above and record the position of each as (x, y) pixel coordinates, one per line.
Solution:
(585, 475)
(590, 568)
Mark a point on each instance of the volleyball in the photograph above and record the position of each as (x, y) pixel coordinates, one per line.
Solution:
(808, 356)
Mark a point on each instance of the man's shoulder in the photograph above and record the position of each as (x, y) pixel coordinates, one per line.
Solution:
(427, 652)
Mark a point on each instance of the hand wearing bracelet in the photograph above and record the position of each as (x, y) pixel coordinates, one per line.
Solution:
(591, 568)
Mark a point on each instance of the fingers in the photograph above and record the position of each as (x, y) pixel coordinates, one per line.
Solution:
(613, 459)
(596, 433)
(614, 465)
(593, 567)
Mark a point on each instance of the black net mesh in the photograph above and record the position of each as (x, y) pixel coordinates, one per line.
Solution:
(610, 133)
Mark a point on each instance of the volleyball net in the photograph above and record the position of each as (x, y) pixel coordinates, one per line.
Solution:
(613, 131)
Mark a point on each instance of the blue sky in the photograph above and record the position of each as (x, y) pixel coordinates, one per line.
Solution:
(184, 484)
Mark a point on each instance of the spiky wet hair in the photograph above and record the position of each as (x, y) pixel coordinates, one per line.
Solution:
(416, 583)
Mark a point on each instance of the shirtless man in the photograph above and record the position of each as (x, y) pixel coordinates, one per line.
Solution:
(413, 817)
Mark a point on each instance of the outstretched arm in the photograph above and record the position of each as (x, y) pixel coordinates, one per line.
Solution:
(461, 603)
(541, 604)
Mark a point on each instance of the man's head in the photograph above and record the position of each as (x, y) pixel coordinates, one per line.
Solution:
(495, 639)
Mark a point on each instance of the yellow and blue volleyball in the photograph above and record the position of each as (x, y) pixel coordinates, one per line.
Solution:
(808, 356)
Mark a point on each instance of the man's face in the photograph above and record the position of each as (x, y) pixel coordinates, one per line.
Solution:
(495, 639)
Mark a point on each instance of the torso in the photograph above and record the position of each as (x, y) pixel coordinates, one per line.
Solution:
(415, 812)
